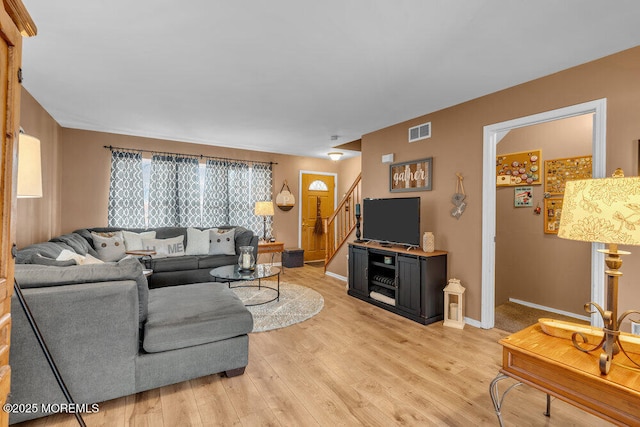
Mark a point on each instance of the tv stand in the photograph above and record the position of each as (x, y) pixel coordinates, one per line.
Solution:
(405, 281)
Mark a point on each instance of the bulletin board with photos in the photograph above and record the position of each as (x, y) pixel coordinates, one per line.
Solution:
(552, 213)
(558, 171)
(521, 168)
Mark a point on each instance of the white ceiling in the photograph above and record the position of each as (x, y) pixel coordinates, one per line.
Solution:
(285, 75)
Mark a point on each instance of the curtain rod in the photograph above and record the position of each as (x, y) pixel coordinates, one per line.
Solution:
(202, 156)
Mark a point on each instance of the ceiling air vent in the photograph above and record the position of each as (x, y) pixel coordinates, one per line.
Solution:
(419, 132)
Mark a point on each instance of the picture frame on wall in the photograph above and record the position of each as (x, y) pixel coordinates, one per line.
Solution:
(523, 197)
(414, 175)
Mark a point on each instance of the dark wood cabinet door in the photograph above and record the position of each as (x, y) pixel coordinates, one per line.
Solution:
(358, 271)
(408, 295)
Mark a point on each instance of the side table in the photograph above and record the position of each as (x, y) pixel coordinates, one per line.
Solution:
(554, 366)
(271, 248)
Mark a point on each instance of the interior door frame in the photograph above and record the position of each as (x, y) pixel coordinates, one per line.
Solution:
(492, 134)
(335, 196)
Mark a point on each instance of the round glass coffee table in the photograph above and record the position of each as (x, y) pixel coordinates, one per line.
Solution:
(233, 273)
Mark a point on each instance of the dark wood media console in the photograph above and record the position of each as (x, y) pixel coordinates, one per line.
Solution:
(408, 282)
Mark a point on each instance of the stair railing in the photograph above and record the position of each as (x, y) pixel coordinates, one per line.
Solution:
(341, 223)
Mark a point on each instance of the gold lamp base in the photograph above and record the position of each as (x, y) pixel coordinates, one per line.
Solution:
(610, 342)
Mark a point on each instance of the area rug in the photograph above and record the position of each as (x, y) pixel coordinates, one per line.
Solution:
(297, 304)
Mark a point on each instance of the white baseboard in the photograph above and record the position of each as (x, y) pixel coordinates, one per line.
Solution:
(336, 276)
(553, 310)
(472, 322)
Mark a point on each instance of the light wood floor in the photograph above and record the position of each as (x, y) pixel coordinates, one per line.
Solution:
(352, 364)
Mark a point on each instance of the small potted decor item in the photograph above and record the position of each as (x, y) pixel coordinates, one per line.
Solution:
(246, 260)
(428, 242)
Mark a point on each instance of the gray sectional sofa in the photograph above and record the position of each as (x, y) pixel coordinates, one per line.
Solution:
(110, 334)
(167, 271)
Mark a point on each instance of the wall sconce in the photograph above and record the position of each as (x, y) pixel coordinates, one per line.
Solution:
(604, 210)
(335, 155)
(29, 167)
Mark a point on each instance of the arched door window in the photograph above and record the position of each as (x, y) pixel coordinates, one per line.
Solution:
(318, 185)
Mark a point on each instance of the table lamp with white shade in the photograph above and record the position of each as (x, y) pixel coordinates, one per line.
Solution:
(604, 210)
(264, 209)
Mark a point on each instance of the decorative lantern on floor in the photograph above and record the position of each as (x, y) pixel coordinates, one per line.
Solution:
(454, 304)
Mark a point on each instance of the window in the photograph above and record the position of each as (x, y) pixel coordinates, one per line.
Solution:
(318, 185)
(176, 190)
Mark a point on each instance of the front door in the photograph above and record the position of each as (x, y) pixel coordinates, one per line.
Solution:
(317, 201)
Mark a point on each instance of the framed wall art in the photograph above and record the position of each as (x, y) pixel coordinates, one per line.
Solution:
(523, 197)
(411, 176)
(521, 168)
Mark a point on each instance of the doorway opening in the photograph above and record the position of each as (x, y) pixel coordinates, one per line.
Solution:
(492, 135)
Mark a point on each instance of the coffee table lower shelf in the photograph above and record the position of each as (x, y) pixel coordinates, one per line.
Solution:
(232, 274)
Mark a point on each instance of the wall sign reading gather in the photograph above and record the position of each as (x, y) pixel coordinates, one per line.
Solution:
(411, 176)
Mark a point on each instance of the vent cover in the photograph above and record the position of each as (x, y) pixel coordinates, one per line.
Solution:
(419, 132)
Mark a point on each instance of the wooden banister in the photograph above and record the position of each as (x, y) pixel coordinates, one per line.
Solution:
(342, 221)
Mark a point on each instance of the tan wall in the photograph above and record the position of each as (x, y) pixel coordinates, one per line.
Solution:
(86, 169)
(530, 263)
(456, 146)
(76, 169)
(40, 219)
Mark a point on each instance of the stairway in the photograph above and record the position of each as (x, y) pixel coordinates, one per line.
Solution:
(339, 226)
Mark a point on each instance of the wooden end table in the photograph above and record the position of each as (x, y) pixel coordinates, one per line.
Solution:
(554, 366)
(271, 248)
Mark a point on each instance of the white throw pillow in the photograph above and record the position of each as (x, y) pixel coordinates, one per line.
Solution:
(67, 255)
(133, 241)
(222, 242)
(109, 248)
(197, 241)
(171, 247)
(90, 259)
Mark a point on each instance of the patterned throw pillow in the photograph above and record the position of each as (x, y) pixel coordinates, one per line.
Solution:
(109, 248)
(222, 242)
(171, 247)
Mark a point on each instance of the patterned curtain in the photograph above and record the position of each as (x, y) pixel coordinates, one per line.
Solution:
(230, 192)
(174, 191)
(126, 190)
(215, 209)
(261, 190)
(189, 208)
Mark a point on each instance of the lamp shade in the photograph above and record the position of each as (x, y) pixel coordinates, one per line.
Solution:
(605, 210)
(264, 208)
(29, 167)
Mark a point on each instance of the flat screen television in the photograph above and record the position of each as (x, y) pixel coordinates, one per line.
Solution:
(392, 220)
